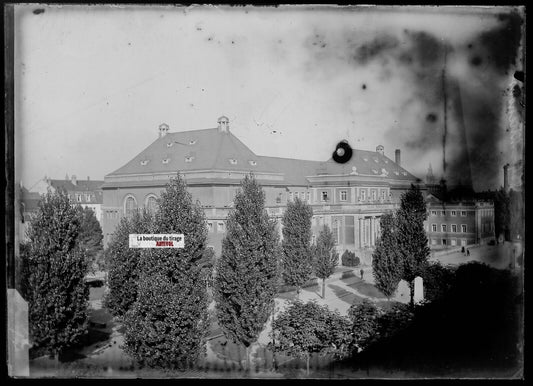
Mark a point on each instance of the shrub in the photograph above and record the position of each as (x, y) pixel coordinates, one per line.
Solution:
(349, 259)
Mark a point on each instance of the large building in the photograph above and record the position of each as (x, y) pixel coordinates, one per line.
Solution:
(349, 197)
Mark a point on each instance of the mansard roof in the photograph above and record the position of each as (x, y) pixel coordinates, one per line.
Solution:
(211, 149)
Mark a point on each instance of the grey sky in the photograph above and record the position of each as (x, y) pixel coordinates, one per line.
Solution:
(93, 83)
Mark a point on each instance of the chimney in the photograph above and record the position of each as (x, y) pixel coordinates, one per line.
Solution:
(505, 177)
(397, 156)
(73, 179)
(223, 124)
(163, 130)
(380, 149)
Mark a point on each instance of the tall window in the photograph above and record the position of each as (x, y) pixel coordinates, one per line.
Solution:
(221, 227)
(324, 196)
(454, 228)
(383, 194)
(433, 227)
(463, 228)
(291, 194)
(443, 226)
(463, 213)
(308, 196)
(373, 193)
(343, 195)
(363, 195)
(151, 204)
(454, 213)
(130, 206)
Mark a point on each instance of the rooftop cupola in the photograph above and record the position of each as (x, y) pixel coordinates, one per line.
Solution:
(223, 124)
(163, 130)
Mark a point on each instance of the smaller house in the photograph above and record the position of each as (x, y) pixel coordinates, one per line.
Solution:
(87, 193)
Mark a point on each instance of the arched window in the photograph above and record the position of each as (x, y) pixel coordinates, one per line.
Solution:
(130, 205)
(151, 204)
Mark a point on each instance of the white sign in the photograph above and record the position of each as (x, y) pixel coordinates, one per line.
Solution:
(157, 241)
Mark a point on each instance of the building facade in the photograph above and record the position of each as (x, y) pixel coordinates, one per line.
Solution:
(350, 198)
(459, 223)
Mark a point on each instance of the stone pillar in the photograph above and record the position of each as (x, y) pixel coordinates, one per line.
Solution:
(361, 225)
(419, 290)
(372, 226)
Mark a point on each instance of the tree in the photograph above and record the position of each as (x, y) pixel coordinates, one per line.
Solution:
(325, 257)
(168, 323)
(411, 237)
(438, 280)
(296, 244)
(307, 328)
(247, 271)
(365, 324)
(54, 272)
(90, 236)
(386, 261)
(123, 275)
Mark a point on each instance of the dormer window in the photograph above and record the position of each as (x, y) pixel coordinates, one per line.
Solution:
(144, 162)
(192, 141)
(233, 161)
(189, 159)
(397, 173)
(165, 160)
(384, 172)
(253, 163)
(404, 173)
(170, 144)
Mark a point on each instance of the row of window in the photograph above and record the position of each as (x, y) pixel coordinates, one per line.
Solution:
(453, 213)
(88, 197)
(190, 158)
(452, 242)
(324, 196)
(130, 204)
(221, 226)
(444, 228)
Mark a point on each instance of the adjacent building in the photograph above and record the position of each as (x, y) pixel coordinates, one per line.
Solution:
(87, 193)
(457, 218)
(350, 197)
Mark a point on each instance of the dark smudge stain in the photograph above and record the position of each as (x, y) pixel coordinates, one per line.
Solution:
(363, 86)
(476, 61)
(38, 11)
(517, 91)
(519, 75)
(374, 48)
(502, 43)
(431, 117)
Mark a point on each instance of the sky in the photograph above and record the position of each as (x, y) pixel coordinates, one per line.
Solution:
(93, 83)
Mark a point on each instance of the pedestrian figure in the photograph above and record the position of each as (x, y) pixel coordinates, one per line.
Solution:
(468, 252)
(463, 250)
(362, 272)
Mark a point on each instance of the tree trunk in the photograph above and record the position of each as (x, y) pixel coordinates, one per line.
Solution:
(323, 288)
(248, 358)
(298, 292)
(307, 364)
(412, 293)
